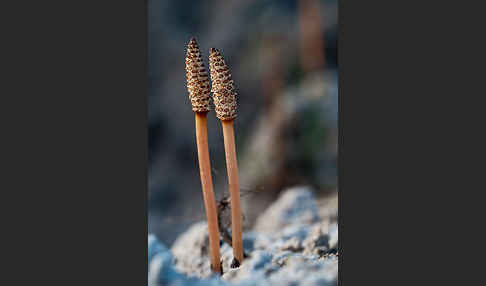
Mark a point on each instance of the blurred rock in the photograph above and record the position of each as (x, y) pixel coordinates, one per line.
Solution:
(333, 236)
(154, 247)
(328, 207)
(295, 206)
(255, 268)
(318, 240)
(306, 272)
(191, 251)
(299, 250)
(161, 269)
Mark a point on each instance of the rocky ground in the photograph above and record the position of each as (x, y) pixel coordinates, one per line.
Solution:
(294, 242)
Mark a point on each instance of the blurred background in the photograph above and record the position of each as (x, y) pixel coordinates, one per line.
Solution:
(283, 58)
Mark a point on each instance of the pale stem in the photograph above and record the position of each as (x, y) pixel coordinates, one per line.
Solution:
(234, 188)
(207, 188)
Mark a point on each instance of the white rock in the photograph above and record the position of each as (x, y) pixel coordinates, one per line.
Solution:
(286, 248)
(318, 239)
(295, 206)
(333, 235)
(191, 251)
(254, 267)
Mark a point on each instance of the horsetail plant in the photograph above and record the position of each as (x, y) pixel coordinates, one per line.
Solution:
(198, 88)
(224, 97)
